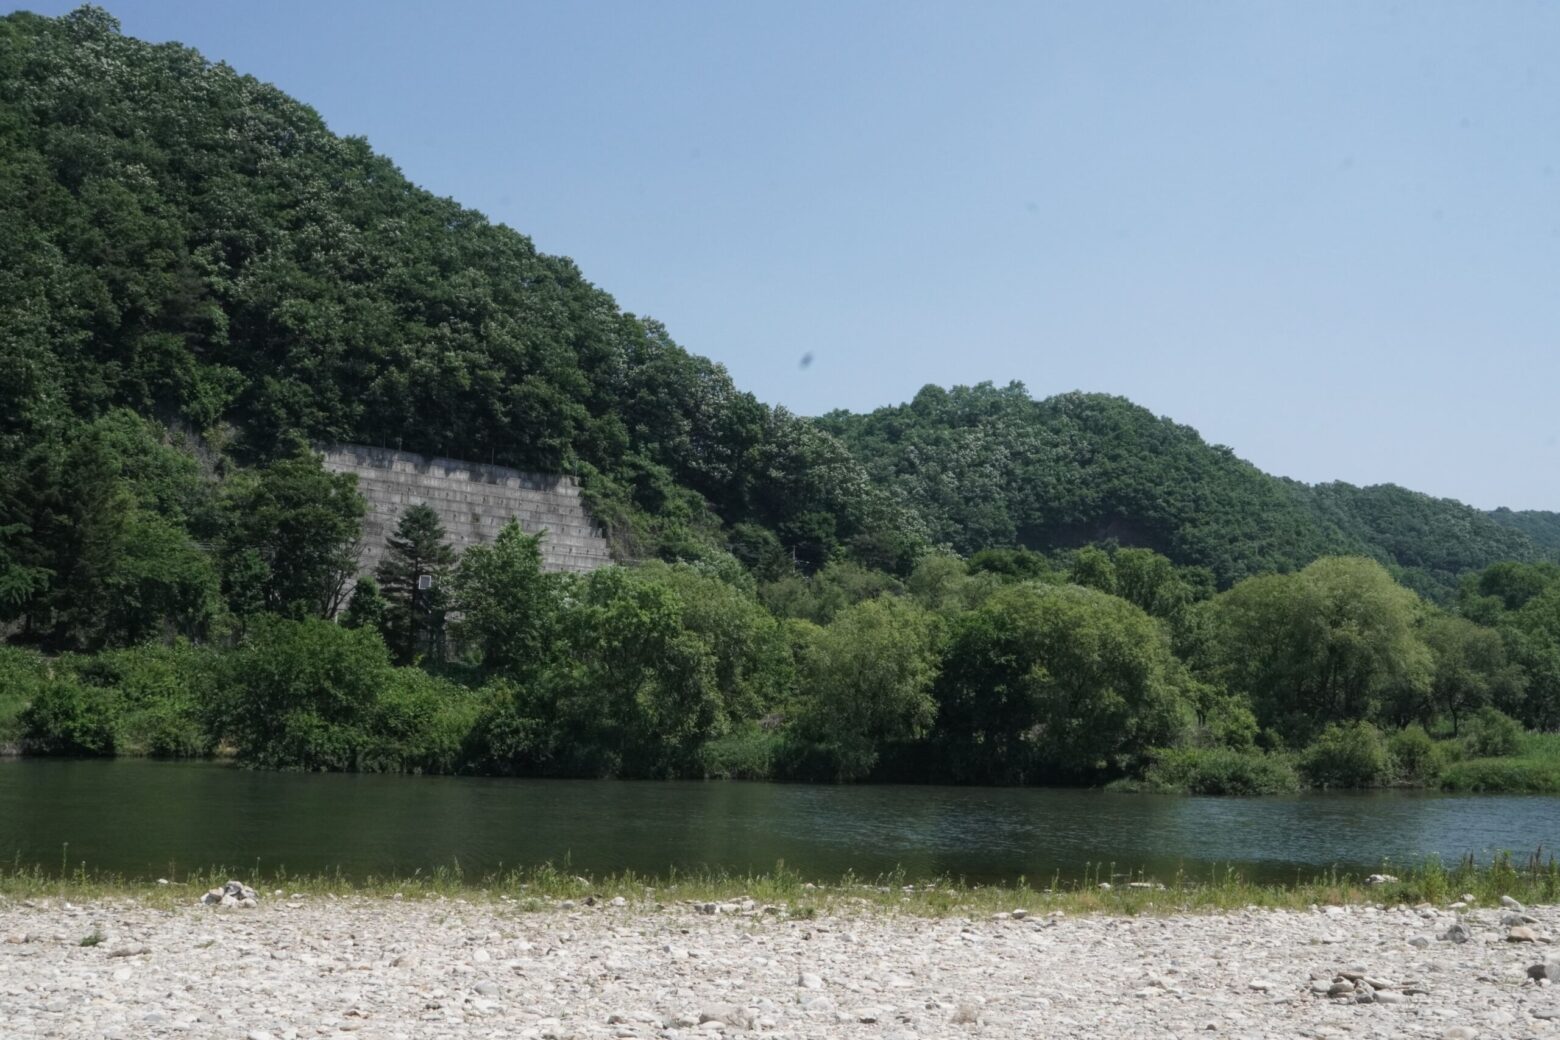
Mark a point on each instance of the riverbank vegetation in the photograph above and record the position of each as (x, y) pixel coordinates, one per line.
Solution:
(1009, 668)
(1098, 889)
(201, 281)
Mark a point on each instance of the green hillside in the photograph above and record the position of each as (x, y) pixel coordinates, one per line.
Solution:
(1542, 526)
(990, 466)
(190, 243)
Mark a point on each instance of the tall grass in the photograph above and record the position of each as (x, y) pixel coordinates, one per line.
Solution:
(1534, 769)
(1101, 888)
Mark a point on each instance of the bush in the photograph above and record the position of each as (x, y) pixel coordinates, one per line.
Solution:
(22, 672)
(1493, 734)
(508, 736)
(159, 690)
(1347, 755)
(746, 754)
(1231, 724)
(1508, 775)
(1218, 771)
(1415, 755)
(421, 724)
(302, 694)
(67, 717)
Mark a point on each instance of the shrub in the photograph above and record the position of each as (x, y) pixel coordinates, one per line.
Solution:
(508, 736)
(745, 754)
(67, 717)
(1218, 770)
(421, 724)
(1231, 724)
(1347, 755)
(159, 691)
(301, 694)
(1493, 734)
(22, 672)
(1415, 755)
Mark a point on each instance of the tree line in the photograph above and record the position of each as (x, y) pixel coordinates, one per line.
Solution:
(1099, 665)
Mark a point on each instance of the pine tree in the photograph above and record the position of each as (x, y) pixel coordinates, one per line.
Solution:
(412, 579)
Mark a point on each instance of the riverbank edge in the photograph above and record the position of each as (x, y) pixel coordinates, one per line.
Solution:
(783, 893)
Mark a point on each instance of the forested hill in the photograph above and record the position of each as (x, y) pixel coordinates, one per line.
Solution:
(989, 465)
(192, 244)
(1541, 526)
(184, 247)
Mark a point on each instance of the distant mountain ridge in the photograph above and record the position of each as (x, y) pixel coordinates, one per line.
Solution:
(990, 465)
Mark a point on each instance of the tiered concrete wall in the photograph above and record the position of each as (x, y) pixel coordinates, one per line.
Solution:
(474, 501)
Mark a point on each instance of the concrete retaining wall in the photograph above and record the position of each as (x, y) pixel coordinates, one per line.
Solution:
(474, 501)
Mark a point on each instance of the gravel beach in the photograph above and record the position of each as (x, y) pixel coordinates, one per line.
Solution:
(447, 968)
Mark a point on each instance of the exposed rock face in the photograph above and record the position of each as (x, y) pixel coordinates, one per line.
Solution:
(474, 501)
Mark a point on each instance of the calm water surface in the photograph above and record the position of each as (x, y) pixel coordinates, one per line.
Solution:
(146, 819)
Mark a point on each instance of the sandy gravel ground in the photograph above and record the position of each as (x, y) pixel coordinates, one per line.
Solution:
(445, 968)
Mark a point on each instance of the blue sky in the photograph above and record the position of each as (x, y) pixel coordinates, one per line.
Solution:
(1326, 234)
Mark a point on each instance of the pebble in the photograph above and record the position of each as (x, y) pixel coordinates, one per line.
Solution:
(414, 968)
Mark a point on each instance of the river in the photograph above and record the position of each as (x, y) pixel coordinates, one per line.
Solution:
(147, 819)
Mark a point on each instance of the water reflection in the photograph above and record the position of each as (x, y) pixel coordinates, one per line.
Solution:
(147, 818)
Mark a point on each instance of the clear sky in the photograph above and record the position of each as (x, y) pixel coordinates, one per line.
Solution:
(1326, 234)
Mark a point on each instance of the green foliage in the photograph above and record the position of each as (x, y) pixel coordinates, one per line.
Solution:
(1349, 754)
(67, 717)
(634, 691)
(96, 545)
(1229, 723)
(990, 467)
(417, 555)
(297, 694)
(367, 607)
(418, 724)
(22, 673)
(867, 680)
(1218, 770)
(508, 607)
(820, 596)
(1430, 542)
(1336, 641)
(1415, 756)
(1492, 734)
(1057, 681)
(190, 250)
(749, 753)
(754, 669)
(1504, 775)
(290, 538)
(1532, 636)
(1471, 669)
(192, 244)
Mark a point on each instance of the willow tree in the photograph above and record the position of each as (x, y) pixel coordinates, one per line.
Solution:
(1337, 641)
